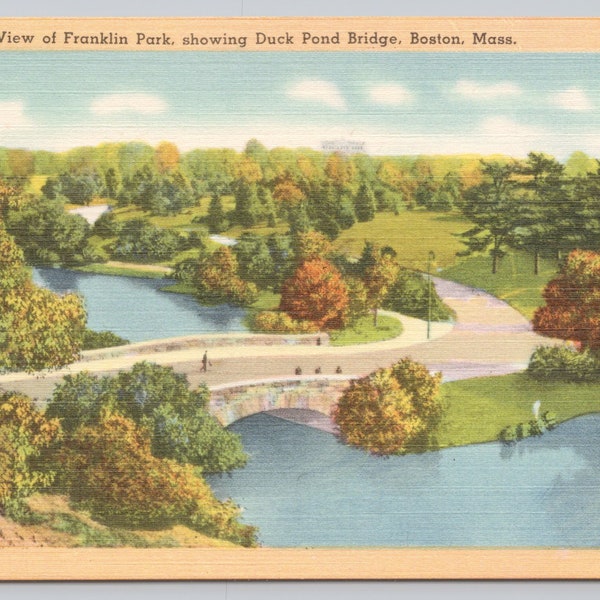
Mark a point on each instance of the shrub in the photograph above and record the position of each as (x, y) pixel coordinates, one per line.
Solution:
(550, 420)
(508, 434)
(280, 322)
(93, 340)
(560, 363)
(409, 295)
(535, 427)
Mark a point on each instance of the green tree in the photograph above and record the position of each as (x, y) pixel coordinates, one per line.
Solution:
(25, 434)
(141, 241)
(216, 218)
(255, 263)
(48, 235)
(365, 203)
(155, 397)
(544, 201)
(447, 195)
(378, 269)
(248, 210)
(112, 183)
(409, 294)
(495, 206)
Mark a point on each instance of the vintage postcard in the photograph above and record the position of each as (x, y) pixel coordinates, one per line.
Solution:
(296, 298)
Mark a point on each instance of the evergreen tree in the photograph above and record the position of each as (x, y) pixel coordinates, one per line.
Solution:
(216, 219)
(247, 204)
(365, 204)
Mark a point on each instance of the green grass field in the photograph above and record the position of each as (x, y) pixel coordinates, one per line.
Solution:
(103, 269)
(478, 409)
(364, 331)
(412, 234)
(514, 282)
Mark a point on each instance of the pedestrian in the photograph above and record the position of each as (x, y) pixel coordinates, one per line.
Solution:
(205, 362)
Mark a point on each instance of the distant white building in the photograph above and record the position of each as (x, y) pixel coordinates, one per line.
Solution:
(344, 146)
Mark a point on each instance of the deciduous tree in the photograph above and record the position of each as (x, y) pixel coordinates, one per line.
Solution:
(392, 411)
(110, 470)
(316, 292)
(217, 279)
(24, 435)
(572, 309)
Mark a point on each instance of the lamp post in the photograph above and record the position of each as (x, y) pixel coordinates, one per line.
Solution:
(430, 259)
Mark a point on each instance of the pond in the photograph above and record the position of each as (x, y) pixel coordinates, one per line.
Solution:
(303, 488)
(136, 309)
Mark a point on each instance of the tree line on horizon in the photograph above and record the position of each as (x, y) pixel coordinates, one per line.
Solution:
(536, 204)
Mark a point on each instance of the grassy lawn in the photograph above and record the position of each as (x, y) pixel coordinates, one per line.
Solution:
(364, 331)
(514, 282)
(478, 409)
(412, 233)
(57, 523)
(104, 269)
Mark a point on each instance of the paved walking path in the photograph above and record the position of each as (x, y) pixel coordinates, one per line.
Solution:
(488, 338)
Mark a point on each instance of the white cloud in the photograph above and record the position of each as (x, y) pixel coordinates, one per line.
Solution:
(486, 91)
(572, 99)
(500, 126)
(144, 104)
(12, 114)
(317, 90)
(390, 94)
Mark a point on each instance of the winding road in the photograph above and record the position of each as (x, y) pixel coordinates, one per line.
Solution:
(488, 338)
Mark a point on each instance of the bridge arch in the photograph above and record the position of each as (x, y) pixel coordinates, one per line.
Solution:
(232, 402)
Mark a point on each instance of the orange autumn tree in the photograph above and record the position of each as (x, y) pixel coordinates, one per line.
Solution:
(217, 279)
(166, 157)
(316, 292)
(109, 470)
(391, 411)
(572, 310)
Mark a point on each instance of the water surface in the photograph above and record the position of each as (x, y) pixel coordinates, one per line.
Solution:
(304, 488)
(136, 309)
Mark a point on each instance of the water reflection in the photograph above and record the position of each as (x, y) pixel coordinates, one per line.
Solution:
(136, 309)
(304, 488)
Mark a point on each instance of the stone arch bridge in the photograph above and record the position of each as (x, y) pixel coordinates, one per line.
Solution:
(231, 402)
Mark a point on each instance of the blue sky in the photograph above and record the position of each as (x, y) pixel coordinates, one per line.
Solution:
(397, 103)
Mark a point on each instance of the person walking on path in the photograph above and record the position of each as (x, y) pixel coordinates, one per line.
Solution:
(205, 362)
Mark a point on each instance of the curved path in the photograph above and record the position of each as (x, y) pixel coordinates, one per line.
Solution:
(488, 338)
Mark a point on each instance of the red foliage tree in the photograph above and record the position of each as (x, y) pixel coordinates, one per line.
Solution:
(316, 292)
(572, 310)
